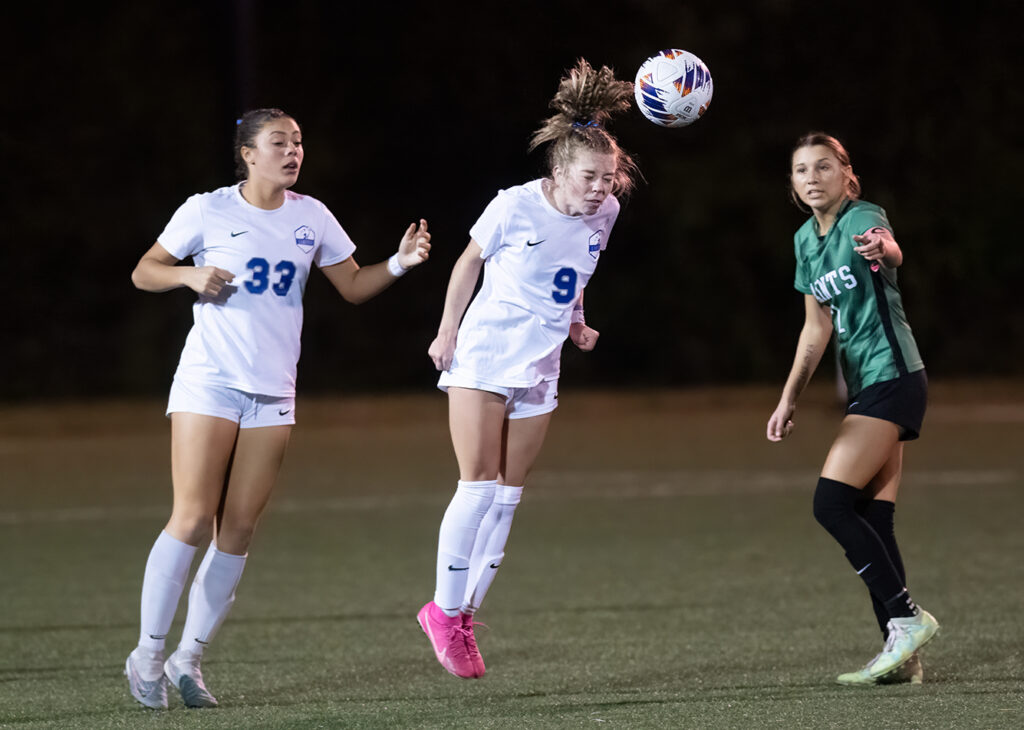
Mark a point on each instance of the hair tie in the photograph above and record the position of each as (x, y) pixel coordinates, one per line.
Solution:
(591, 123)
(238, 122)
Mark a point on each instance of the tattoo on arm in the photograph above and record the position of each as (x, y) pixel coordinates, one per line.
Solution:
(803, 375)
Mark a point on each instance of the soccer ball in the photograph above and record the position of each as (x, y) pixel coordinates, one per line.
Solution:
(673, 88)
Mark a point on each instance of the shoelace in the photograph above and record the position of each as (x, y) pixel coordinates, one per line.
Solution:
(460, 648)
(896, 632)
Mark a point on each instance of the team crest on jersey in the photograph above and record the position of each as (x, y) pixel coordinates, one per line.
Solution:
(305, 238)
(594, 244)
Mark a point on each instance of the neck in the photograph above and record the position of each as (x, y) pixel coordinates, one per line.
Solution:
(552, 193)
(263, 194)
(825, 218)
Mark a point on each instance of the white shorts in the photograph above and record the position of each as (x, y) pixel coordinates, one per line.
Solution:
(248, 410)
(519, 402)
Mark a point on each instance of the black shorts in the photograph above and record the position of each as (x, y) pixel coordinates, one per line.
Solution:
(901, 401)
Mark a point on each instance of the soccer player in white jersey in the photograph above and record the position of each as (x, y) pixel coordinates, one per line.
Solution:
(538, 245)
(232, 402)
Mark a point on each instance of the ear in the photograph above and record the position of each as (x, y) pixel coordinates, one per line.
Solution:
(247, 154)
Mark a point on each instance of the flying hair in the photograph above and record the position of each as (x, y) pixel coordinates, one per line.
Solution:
(585, 101)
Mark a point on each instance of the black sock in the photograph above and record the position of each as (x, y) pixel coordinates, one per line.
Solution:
(880, 515)
(835, 509)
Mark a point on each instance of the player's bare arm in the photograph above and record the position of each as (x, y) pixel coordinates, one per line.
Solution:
(878, 244)
(157, 271)
(814, 338)
(463, 280)
(358, 284)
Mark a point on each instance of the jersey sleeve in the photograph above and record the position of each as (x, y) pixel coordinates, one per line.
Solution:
(863, 219)
(335, 245)
(489, 229)
(183, 235)
(801, 277)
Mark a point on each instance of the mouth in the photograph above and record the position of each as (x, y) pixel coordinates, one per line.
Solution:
(291, 167)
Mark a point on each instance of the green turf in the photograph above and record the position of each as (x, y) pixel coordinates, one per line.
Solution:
(664, 571)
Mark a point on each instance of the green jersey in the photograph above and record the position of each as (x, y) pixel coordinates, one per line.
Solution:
(874, 339)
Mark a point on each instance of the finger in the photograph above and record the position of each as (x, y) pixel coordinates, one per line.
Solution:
(423, 225)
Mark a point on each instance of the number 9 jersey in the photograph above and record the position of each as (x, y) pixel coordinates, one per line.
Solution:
(248, 337)
(537, 262)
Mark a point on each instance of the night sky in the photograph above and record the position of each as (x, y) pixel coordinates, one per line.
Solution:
(117, 112)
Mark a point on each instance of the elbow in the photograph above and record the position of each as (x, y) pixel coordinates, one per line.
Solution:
(137, 279)
(353, 298)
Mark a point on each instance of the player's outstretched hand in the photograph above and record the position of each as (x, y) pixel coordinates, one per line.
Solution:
(780, 425)
(582, 336)
(442, 350)
(207, 280)
(415, 246)
(874, 244)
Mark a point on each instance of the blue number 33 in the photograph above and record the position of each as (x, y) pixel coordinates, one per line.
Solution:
(261, 276)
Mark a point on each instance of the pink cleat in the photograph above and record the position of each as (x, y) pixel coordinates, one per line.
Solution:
(448, 637)
(471, 647)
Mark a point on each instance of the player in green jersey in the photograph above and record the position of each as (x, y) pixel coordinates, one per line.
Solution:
(846, 259)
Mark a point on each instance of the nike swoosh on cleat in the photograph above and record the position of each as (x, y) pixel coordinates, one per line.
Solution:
(495, 566)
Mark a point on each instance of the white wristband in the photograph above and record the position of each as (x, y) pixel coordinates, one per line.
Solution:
(395, 268)
(577, 316)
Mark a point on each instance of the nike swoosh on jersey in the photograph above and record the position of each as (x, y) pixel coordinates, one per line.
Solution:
(453, 568)
(234, 235)
(534, 243)
(285, 412)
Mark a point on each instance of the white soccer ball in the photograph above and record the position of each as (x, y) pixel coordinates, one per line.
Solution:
(673, 88)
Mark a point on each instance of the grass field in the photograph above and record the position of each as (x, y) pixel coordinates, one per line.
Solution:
(664, 570)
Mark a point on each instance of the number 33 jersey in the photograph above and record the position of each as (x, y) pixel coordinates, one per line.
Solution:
(248, 337)
(537, 262)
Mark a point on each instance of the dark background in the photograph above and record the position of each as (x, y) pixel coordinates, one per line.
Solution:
(115, 113)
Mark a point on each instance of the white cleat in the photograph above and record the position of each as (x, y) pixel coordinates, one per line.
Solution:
(182, 669)
(906, 636)
(146, 680)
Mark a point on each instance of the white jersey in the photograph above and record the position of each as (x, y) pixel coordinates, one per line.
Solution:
(536, 263)
(248, 337)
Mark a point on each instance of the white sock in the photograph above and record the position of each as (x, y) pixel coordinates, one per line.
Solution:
(211, 597)
(162, 584)
(489, 549)
(455, 541)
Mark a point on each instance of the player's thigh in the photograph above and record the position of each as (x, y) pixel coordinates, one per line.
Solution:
(254, 470)
(886, 483)
(475, 419)
(863, 446)
(524, 438)
(201, 448)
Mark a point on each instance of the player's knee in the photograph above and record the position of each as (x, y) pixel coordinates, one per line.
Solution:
(234, 538)
(834, 502)
(192, 528)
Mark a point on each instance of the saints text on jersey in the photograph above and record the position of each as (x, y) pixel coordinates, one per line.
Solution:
(826, 287)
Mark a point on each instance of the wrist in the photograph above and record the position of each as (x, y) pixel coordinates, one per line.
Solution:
(577, 315)
(395, 268)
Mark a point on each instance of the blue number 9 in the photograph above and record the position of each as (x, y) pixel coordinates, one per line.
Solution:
(565, 285)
